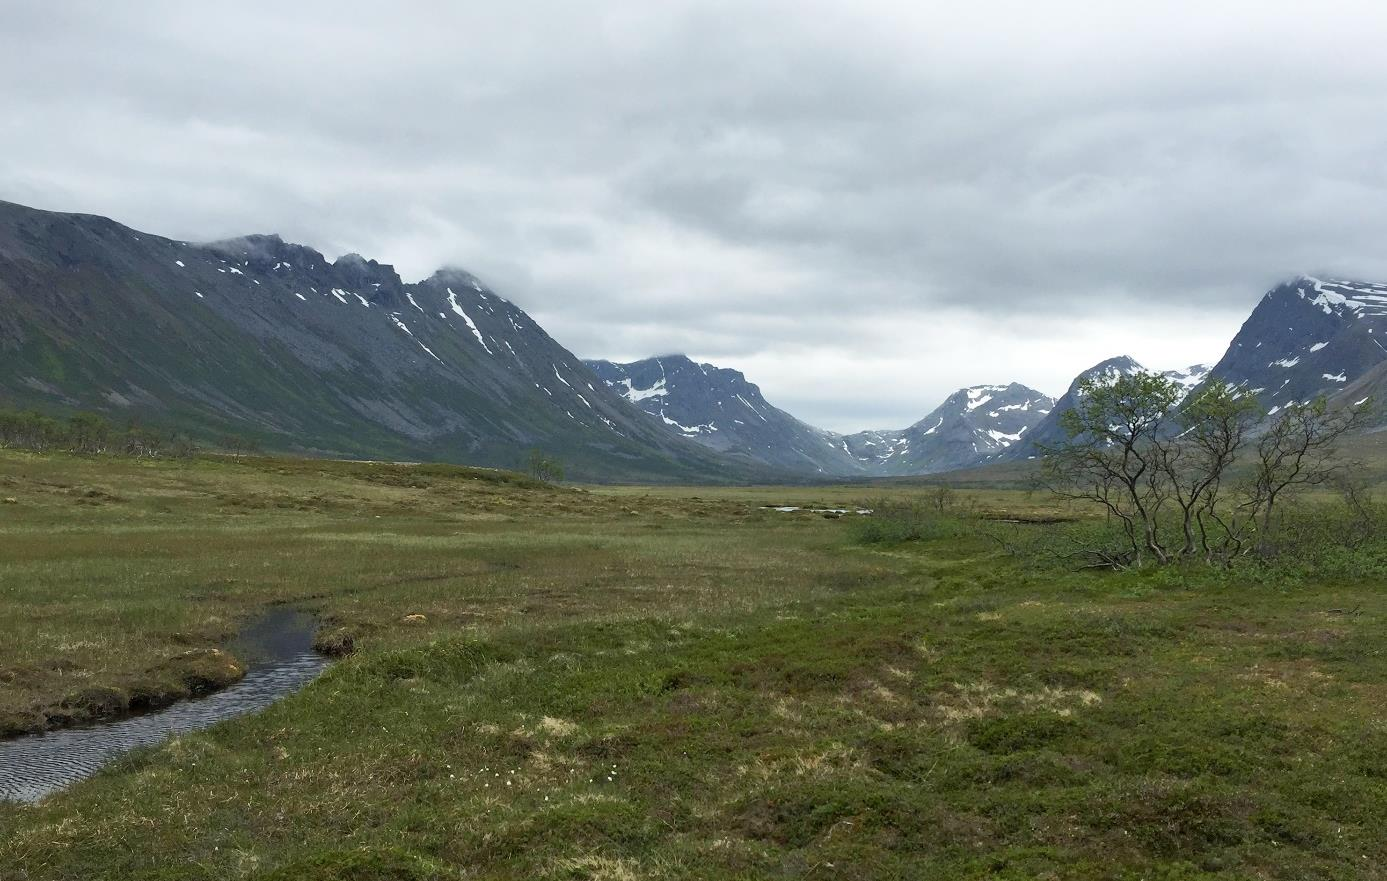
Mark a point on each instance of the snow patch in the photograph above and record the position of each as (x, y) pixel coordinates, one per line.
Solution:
(453, 302)
(636, 395)
(404, 327)
(689, 429)
(978, 396)
(1003, 438)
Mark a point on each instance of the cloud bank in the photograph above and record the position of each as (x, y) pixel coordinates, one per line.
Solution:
(861, 205)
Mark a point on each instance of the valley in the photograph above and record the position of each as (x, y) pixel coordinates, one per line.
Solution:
(692, 442)
(649, 682)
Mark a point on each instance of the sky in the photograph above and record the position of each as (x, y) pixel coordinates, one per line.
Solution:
(861, 205)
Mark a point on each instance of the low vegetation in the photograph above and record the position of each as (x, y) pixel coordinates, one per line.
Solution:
(632, 683)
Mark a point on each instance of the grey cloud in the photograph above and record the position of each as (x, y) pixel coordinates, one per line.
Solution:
(899, 195)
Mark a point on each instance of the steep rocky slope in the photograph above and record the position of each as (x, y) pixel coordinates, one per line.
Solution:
(260, 337)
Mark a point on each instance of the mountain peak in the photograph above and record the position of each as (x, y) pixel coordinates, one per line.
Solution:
(1121, 363)
(456, 275)
(370, 278)
(266, 251)
(1337, 296)
(719, 408)
(971, 425)
(1308, 336)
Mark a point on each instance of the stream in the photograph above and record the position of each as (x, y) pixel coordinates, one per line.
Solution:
(278, 651)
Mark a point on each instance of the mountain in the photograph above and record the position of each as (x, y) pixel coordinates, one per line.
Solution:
(971, 425)
(1050, 431)
(719, 408)
(267, 339)
(1308, 337)
(1188, 379)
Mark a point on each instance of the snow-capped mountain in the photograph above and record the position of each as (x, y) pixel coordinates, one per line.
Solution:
(1308, 337)
(267, 339)
(719, 408)
(1188, 379)
(1049, 431)
(260, 337)
(971, 425)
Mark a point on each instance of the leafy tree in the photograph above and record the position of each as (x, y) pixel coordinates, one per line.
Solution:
(1111, 458)
(87, 433)
(1299, 450)
(1214, 426)
(1164, 472)
(542, 466)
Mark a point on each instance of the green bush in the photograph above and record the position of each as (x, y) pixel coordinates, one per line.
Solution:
(1324, 540)
(897, 522)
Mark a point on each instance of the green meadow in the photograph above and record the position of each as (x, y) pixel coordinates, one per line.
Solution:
(663, 683)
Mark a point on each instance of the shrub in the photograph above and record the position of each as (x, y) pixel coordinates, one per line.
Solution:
(542, 466)
(896, 522)
(87, 433)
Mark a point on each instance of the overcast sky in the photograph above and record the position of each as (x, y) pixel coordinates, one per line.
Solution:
(861, 205)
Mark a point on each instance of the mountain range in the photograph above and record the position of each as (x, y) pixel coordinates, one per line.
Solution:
(719, 408)
(270, 340)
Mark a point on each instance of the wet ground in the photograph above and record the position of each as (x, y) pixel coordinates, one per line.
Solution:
(278, 649)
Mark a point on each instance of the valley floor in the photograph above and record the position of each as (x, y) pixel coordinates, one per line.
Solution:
(631, 683)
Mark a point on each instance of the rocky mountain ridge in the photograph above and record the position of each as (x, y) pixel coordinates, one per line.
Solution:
(260, 337)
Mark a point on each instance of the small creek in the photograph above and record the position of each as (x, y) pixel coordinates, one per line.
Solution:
(278, 651)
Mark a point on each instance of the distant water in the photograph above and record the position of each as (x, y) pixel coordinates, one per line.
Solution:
(279, 650)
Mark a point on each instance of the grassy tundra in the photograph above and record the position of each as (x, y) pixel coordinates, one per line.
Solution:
(630, 683)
